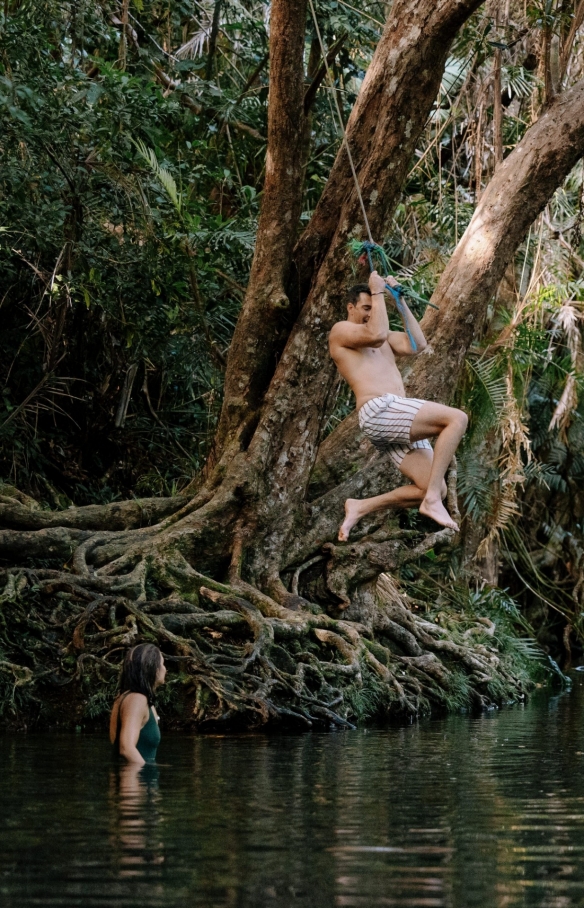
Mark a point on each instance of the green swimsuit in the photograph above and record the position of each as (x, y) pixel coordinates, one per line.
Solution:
(148, 740)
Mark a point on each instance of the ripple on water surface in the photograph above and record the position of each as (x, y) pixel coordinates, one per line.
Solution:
(461, 812)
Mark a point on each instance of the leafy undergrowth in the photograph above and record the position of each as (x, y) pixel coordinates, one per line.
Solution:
(491, 617)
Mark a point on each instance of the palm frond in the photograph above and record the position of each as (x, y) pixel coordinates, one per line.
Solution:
(164, 176)
(566, 405)
(488, 373)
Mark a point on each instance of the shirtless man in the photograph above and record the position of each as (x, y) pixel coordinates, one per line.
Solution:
(364, 350)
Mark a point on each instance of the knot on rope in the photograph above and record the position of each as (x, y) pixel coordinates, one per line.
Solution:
(369, 248)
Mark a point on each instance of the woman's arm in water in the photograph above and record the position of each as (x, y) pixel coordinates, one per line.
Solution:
(134, 715)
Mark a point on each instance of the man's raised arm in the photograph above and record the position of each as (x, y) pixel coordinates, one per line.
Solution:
(399, 340)
(371, 333)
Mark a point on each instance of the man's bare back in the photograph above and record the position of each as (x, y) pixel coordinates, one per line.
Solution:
(365, 350)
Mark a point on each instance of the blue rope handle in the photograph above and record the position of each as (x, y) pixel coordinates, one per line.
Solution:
(396, 292)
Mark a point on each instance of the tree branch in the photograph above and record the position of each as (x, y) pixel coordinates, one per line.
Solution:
(517, 193)
(385, 124)
(197, 108)
(519, 190)
(320, 74)
(265, 316)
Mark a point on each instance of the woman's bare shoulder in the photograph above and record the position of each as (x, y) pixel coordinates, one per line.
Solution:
(130, 704)
(127, 708)
(131, 701)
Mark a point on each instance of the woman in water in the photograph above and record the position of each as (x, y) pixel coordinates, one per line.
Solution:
(134, 730)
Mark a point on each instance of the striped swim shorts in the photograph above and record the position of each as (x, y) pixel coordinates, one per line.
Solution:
(387, 421)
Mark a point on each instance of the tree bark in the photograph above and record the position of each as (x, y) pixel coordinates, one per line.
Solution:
(266, 314)
(213, 40)
(123, 515)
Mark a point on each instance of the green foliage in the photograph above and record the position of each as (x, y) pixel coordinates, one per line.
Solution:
(112, 263)
(99, 698)
(457, 696)
(484, 615)
(128, 208)
(364, 701)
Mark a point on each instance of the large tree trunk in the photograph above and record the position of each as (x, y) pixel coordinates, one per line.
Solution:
(296, 403)
(391, 111)
(266, 317)
(244, 584)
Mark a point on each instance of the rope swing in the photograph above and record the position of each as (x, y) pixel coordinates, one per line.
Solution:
(370, 247)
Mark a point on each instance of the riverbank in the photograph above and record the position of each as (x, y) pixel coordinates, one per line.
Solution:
(231, 667)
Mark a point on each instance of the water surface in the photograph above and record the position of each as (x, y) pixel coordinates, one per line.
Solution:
(466, 811)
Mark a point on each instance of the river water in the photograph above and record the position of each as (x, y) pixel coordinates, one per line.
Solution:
(482, 811)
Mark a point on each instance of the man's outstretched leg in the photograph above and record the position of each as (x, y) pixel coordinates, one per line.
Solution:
(448, 425)
(417, 466)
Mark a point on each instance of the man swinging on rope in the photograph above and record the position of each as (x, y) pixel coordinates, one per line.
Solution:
(364, 350)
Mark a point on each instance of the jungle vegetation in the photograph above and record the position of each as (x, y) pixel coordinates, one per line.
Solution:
(177, 216)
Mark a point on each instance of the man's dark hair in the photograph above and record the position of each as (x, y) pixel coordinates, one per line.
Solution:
(353, 293)
(140, 669)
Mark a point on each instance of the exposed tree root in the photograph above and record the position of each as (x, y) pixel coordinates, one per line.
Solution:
(236, 656)
(327, 639)
(20, 512)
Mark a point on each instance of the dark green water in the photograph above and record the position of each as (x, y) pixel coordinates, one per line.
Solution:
(485, 811)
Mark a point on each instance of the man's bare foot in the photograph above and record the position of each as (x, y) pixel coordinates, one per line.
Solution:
(352, 515)
(435, 509)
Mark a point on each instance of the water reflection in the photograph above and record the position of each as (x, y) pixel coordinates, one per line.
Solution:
(482, 812)
(135, 838)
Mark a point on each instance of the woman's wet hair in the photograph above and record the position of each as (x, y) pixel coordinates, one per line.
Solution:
(353, 293)
(140, 669)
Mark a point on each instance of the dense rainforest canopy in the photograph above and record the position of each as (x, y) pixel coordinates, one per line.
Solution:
(176, 218)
